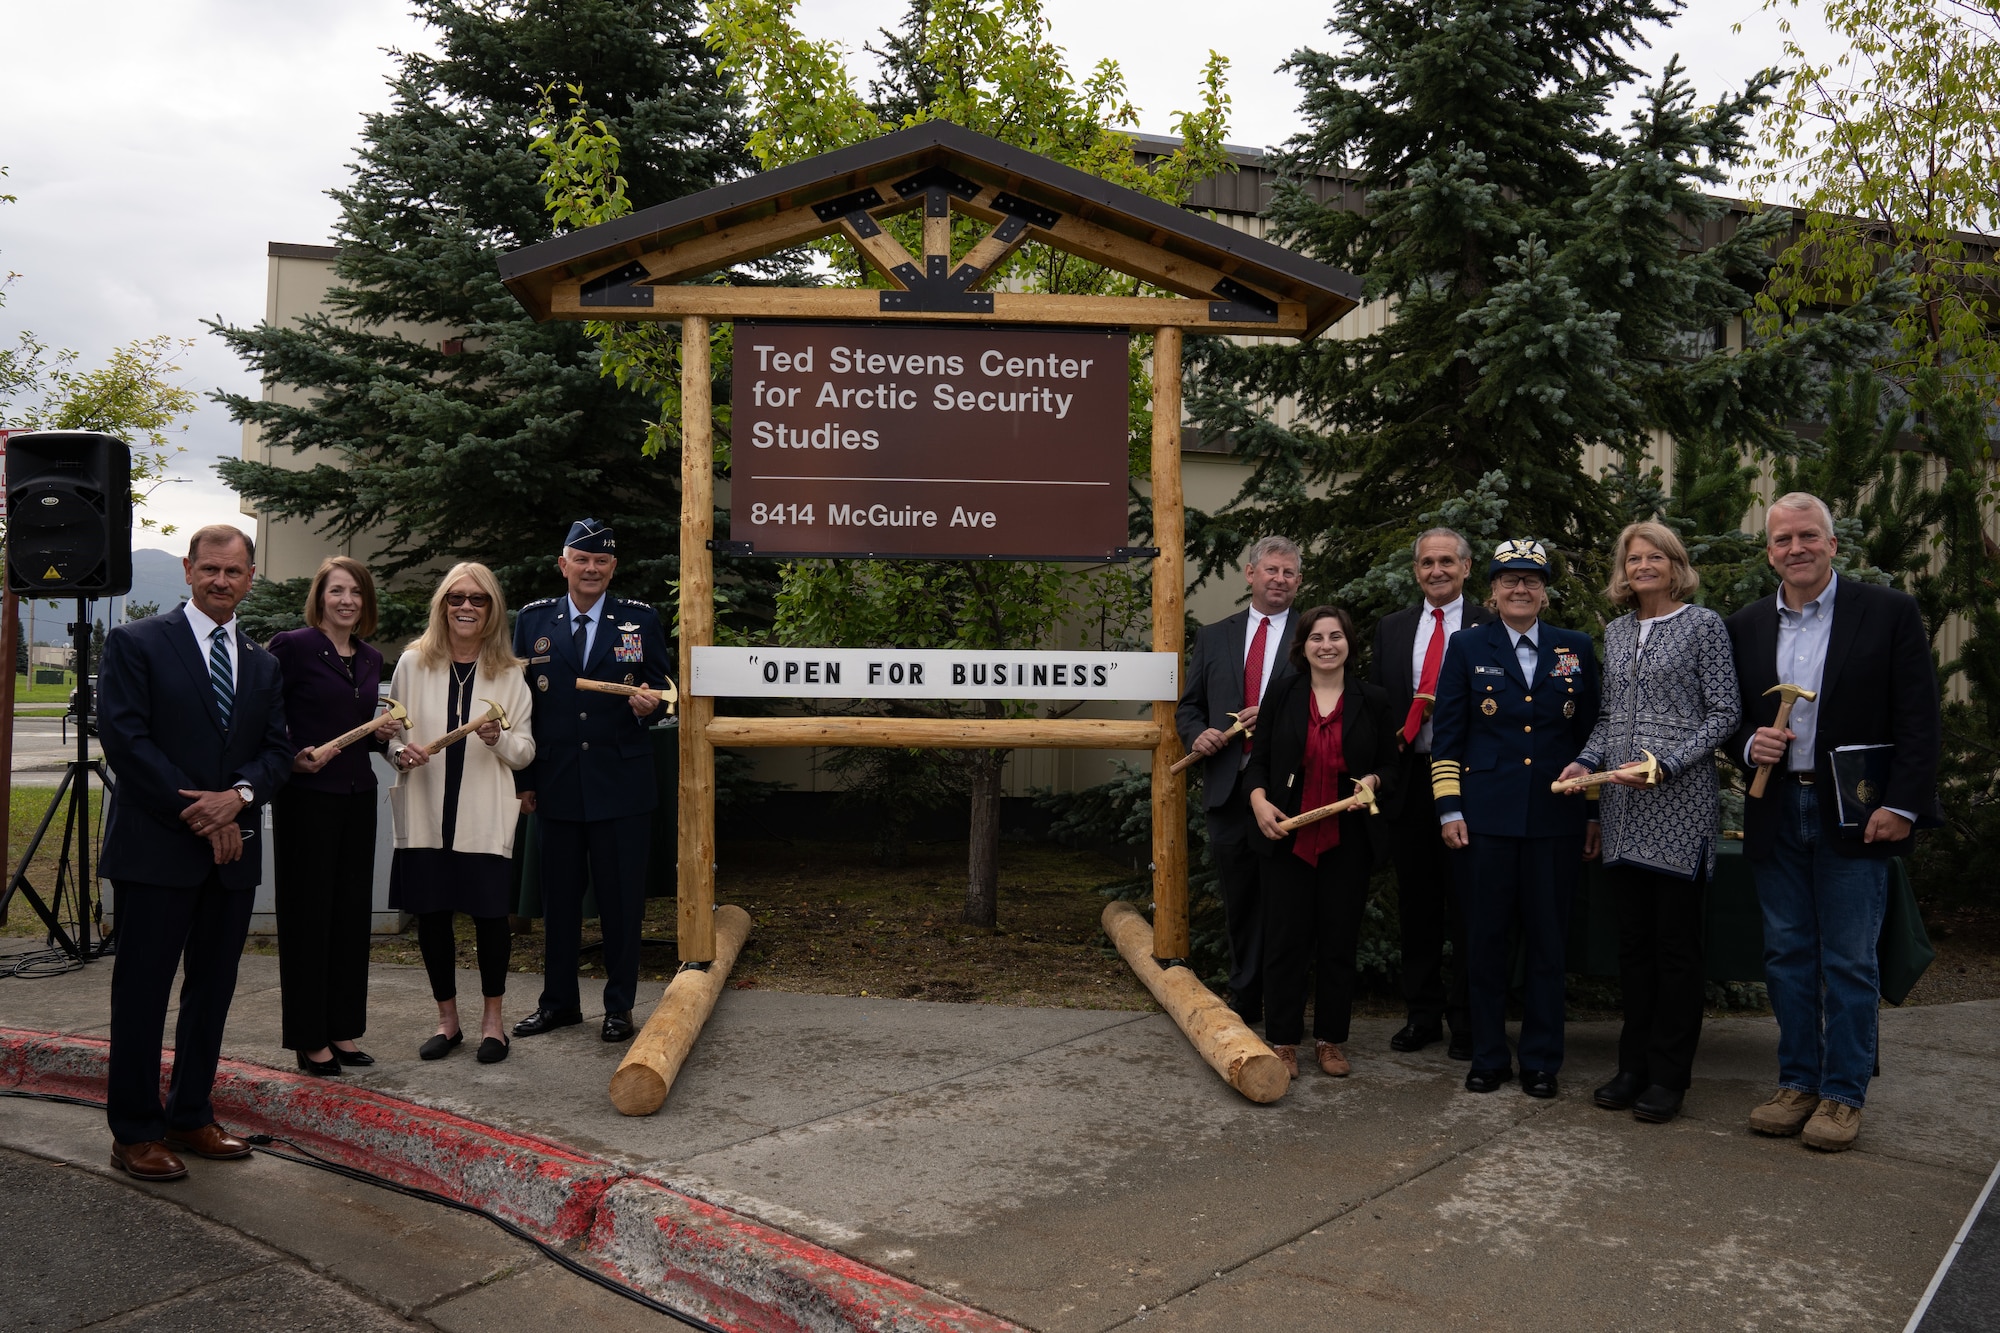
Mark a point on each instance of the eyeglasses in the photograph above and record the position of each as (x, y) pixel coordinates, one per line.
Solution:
(467, 599)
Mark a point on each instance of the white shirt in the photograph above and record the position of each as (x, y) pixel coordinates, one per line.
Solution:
(1271, 640)
(596, 614)
(204, 629)
(1454, 620)
(1527, 649)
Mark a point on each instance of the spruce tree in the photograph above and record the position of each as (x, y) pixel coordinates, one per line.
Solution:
(1544, 294)
(488, 446)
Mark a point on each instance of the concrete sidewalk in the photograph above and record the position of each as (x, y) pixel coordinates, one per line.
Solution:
(1081, 1170)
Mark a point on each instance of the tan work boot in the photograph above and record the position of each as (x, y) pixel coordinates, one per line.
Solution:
(1332, 1060)
(1289, 1057)
(1833, 1127)
(1785, 1114)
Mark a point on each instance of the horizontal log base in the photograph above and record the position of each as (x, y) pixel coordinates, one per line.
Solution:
(1218, 1035)
(647, 1073)
(932, 733)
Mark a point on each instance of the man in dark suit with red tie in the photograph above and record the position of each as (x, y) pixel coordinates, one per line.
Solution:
(1234, 664)
(1408, 652)
(192, 716)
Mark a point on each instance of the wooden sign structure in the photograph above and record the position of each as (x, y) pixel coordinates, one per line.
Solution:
(649, 265)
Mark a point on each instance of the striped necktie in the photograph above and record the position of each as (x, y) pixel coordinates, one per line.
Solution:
(219, 675)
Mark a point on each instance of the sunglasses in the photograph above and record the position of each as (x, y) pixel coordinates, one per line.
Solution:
(467, 599)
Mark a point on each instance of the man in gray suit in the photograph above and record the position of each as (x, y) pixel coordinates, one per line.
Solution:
(1235, 662)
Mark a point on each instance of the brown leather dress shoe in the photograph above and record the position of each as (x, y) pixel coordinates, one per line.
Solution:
(152, 1160)
(211, 1141)
(1289, 1057)
(1332, 1060)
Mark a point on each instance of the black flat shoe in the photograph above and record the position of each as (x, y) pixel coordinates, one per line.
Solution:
(618, 1027)
(356, 1058)
(1414, 1036)
(318, 1068)
(438, 1047)
(1487, 1080)
(1460, 1047)
(1658, 1105)
(1620, 1092)
(547, 1020)
(492, 1051)
(1538, 1083)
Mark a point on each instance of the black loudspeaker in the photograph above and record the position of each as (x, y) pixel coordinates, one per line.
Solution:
(69, 514)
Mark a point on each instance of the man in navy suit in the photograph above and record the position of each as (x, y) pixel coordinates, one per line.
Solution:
(1234, 664)
(192, 717)
(591, 783)
(1516, 701)
(1823, 888)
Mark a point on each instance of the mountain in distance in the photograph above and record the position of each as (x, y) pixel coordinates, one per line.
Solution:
(157, 577)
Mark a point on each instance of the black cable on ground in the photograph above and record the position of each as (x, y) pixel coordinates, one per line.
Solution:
(306, 1157)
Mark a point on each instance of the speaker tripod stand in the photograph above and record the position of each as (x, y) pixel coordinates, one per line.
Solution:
(67, 910)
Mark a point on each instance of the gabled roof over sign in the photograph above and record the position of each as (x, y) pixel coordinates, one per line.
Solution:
(633, 268)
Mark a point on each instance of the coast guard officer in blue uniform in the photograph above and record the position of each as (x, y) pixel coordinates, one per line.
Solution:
(1516, 699)
(591, 782)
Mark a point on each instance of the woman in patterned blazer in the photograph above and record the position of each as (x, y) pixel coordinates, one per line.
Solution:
(1669, 690)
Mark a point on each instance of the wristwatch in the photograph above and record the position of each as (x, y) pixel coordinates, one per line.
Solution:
(244, 790)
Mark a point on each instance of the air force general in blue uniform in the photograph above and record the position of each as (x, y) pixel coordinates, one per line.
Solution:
(591, 781)
(1516, 699)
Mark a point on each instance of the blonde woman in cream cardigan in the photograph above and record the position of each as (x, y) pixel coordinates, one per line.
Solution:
(455, 811)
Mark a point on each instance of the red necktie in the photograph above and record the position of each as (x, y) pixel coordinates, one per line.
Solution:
(1427, 686)
(1253, 669)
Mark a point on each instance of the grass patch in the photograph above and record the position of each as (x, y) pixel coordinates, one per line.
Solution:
(26, 806)
(24, 693)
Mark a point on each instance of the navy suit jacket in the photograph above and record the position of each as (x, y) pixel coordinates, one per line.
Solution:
(162, 733)
(1498, 741)
(1389, 670)
(593, 759)
(1214, 690)
(1878, 687)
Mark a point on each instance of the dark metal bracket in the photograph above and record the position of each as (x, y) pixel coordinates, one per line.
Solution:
(617, 288)
(1045, 218)
(1124, 553)
(935, 178)
(732, 548)
(1241, 305)
(847, 203)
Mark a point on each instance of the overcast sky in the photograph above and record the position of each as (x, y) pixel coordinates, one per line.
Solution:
(157, 145)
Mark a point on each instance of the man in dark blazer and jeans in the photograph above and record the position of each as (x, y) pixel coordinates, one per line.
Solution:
(1407, 656)
(192, 717)
(1863, 651)
(1234, 664)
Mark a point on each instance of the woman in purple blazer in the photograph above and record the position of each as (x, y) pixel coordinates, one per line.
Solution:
(324, 819)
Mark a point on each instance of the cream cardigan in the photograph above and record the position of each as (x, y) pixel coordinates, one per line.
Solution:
(488, 809)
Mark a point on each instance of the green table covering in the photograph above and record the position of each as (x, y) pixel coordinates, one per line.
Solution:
(1733, 946)
(662, 862)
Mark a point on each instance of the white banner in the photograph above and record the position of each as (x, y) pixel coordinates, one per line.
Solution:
(931, 673)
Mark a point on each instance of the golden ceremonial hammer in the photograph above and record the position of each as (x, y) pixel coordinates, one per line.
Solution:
(1362, 796)
(1187, 760)
(494, 713)
(1648, 768)
(667, 693)
(347, 738)
(1792, 694)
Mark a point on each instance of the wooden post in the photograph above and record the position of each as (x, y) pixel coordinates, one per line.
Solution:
(9, 649)
(1170, 901)
(1217, 1034)
(696, 881)
(647, 1072)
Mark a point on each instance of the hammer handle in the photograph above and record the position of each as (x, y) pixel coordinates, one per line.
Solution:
(457, 734)
(1187, 761)
(347, 738)
(607, 687)
(1763, 778)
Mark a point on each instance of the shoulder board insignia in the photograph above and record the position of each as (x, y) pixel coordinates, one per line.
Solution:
(546, 601)
(647, 606)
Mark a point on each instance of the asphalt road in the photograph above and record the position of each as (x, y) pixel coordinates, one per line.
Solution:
(41, 750)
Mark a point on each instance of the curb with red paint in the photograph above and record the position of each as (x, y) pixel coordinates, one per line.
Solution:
(695, 1256)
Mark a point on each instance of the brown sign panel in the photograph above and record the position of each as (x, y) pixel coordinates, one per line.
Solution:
(952, 442)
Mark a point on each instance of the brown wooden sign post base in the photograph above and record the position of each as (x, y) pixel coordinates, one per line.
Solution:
(647, 266)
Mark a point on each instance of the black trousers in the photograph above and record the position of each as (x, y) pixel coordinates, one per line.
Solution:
(1230, 829)
(611, 853)
(1312, 923)
(1429, 912)
(1532, 881)
(1660, 967)
(160, 930)
(325, 862)
(438, 944)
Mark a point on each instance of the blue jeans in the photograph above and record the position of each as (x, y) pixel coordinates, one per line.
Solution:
(1822, 918)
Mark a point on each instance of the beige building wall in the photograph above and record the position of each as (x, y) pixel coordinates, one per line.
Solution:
(296, 282)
